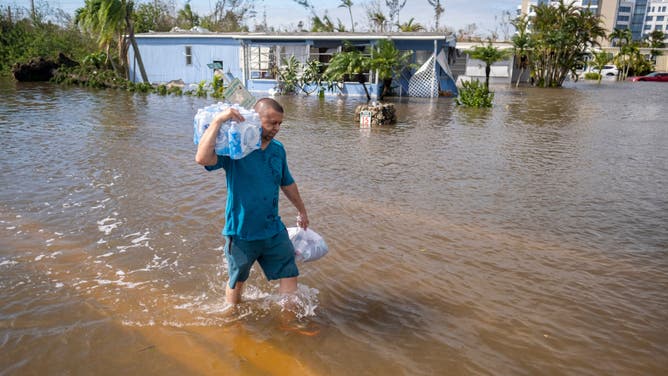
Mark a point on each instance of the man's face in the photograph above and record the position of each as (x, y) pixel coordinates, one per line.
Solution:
(271, 123)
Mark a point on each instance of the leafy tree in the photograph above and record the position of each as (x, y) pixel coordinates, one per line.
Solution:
(229, 16)
(387, 61)
(438, 10)
(23, 38)
(560, 37)
(408, 27)
(153, 16)
(489, 55)
(349, 4)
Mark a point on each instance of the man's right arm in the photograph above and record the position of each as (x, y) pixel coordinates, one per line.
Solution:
(206, 153)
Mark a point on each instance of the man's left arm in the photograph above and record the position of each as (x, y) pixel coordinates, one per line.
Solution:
(292, 193)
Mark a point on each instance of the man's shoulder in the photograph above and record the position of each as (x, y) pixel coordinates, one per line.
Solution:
(277, 143)
(277, 147)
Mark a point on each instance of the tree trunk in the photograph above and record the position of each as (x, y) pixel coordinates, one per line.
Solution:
(488, 69)
(110, 59)
(387, 84)
(360, 79)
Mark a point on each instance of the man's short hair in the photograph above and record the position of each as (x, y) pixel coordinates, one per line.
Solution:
(268, 102)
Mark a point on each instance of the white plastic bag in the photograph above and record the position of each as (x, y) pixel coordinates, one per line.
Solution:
(309, 246)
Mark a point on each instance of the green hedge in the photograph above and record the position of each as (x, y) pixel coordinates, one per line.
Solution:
(591, 76)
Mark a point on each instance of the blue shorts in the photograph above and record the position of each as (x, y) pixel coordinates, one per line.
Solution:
(276, 256)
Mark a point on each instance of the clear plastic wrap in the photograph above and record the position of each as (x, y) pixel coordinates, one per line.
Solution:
(309, 246)
(235, 140)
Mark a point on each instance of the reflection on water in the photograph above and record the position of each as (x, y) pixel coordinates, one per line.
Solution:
(526, 239)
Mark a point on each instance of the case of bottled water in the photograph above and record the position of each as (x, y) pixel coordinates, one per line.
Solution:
(234, 139)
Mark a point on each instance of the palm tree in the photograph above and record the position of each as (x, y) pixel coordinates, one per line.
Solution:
(378, 20)
(489, 55)
(349, 4)
(87, 18)
(112, 19)
(600, 60)
(408, 27)
(655, 41)
(620, 36)
(628, 58)
(186, 17)
(438, 10)
(521, 42)
(348, 63)
(387, 60)
(323, 24)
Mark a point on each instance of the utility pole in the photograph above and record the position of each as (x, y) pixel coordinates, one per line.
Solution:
(32, 9)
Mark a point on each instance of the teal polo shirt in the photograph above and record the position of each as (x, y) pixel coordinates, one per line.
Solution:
(251, 212)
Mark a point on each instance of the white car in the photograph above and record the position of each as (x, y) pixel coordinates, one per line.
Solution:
(608, 71)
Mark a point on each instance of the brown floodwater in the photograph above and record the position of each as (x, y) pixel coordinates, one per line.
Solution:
(530, 238)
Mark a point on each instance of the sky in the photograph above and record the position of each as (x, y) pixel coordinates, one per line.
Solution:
(485, 14)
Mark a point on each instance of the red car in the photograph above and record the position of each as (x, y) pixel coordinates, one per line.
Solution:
(654, 76)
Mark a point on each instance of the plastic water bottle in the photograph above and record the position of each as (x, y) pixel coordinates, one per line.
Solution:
(234, 139)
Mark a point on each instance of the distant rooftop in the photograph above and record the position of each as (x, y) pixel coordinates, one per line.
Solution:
(203, 33)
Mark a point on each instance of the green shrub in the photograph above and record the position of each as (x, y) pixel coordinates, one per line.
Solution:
(474, 94)
(88, 75)
(161, 89)
(95, 60)
(591, 76)
(175, 90)
(201, 90)
(143, 87)
(217, 87)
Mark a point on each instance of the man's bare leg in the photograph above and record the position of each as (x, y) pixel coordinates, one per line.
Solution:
(289, 321)
(287, 285)
(233, 295)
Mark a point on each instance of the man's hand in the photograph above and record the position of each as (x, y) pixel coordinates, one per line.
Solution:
(206, 154)
(302, 220)
(229, 114)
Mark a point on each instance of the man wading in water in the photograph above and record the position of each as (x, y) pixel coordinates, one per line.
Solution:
(253, 229)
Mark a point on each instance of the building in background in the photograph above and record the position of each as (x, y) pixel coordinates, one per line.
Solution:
(624, 13)
(657, 17)
(640, 16)
(257, 58)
